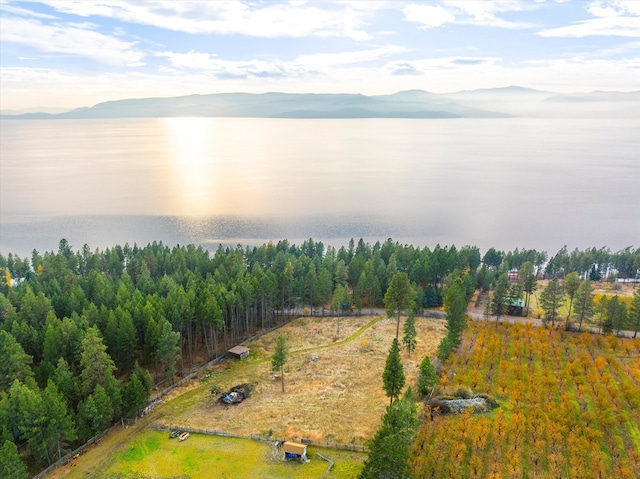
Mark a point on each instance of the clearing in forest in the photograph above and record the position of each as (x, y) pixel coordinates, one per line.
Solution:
(333, 382)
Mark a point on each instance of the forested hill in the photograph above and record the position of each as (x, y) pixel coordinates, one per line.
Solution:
(84, 335)
(484, 103)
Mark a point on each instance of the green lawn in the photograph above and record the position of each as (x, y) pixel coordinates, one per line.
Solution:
(152, 454)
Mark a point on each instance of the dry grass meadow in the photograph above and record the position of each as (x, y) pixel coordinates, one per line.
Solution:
(336, 398)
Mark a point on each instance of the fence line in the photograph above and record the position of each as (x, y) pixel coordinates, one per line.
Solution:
(259, 437)
(64, 459)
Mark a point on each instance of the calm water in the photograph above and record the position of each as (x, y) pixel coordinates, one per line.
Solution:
(500, 182)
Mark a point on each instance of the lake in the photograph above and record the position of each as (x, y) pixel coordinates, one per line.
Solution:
(532, 183)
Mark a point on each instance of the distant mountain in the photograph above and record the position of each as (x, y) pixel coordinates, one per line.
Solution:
(483, 103)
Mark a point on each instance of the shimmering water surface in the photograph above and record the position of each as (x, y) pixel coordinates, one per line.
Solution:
(497, 182)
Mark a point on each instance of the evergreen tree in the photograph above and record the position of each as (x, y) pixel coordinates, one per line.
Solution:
(393, 378)
(399, 297)
(634, 313)
(168, 347)
(11, 465)
(14, 362)
(410, 334)
(455, 305)
(551, 299)
(279, 358)
(59, 427)
(584, 302)
(340, 299)
(571, 284)
(615, 316)
(427, 377)
(390, 448)
(499, 297)
(95, 362)
(445, 348)
(528, 282)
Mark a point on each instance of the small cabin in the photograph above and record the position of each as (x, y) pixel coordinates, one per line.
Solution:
(515, 307)
(238, 352)
(294, 450)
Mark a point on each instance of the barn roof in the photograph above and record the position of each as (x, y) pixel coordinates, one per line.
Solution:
(294, 448)
(238, 350)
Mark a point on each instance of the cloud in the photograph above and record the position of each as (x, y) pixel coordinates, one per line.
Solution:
(428, 16)
(70, 39)
(610, 26)
(348, 58)
(613, 18)
(211, 64)
(473, 12)
(404, 68)
(293, 19)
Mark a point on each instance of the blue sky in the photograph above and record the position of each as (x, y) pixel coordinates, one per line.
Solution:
(71, 53)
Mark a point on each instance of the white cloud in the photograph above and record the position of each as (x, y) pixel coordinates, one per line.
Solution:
(78, 40)
(347, 58)
(301, 66)
(473, 12)
(295, 19)
(428, 16)
(611, 26)
(613, 18)
(614, 8)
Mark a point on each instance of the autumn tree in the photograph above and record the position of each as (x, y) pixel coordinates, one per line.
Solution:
(279, 358)
(393, 378)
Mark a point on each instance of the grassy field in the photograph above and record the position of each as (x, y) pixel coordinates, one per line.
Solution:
(152, 455)
(336, 398)
(570, 407)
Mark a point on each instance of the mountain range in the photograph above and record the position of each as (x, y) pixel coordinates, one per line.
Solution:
(504, 102)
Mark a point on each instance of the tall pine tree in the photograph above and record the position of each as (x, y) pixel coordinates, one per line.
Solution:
(393, 378)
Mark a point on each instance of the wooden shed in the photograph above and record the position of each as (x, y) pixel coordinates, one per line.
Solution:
(515, 307)
(294, 450)
(238, 352)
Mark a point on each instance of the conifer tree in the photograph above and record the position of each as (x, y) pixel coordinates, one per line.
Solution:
(393, 378)
(584, 306)
(551, 299)
(390, 448)
(427, 377)
(11, 466)
(409, 338)
(279, 358)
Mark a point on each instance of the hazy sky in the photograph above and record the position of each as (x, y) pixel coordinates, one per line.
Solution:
(70, 53)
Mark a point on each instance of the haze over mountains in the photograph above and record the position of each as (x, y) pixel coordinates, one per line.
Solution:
(510, 101)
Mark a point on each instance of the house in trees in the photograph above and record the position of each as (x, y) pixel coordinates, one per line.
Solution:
(238, 352)
(515, 306)
(513, 276)
(294, 450)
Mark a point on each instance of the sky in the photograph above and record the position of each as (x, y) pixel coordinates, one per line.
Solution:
(73, 53)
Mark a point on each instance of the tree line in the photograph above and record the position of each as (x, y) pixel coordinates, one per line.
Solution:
(84, 335)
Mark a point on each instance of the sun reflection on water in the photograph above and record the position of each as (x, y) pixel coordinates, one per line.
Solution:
(193, 159)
